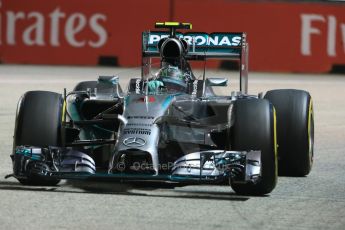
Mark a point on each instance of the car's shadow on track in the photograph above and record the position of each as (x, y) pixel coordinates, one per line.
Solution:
(162, 190)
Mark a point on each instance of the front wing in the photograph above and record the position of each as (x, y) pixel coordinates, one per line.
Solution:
(198, 167)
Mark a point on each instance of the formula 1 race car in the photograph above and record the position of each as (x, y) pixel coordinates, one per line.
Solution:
(167, 126)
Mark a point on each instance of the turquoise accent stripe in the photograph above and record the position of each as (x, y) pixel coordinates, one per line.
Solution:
(168, 100)
(27, 153)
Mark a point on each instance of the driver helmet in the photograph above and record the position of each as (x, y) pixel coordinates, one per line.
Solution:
(170, 72)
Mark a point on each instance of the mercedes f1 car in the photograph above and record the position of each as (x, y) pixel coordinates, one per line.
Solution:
(180, 130)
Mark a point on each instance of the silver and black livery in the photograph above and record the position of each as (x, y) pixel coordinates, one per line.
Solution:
(181, 132)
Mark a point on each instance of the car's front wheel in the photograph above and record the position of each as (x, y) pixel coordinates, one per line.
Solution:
(38, 123)
(254, 129)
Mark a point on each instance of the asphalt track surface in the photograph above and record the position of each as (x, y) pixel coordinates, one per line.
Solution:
(313, 202)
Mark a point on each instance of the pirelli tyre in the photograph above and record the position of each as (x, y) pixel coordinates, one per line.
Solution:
(38, 123)
(254, 129)
(295, 126)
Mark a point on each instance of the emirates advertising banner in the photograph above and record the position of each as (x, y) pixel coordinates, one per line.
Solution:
(282, 36)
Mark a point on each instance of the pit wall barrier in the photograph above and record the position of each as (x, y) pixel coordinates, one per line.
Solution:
(283, 36)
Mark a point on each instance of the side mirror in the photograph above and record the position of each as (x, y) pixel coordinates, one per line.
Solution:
(216, 81)
(108, 80)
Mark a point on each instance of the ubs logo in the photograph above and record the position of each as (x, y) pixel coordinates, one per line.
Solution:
(137, 86)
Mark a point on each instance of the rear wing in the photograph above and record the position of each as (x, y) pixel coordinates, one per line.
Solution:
(202, 46)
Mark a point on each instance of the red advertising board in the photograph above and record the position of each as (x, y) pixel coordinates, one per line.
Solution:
(76, 32)
(289, 37)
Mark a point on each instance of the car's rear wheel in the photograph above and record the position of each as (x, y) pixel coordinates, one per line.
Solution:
(84, 85)
(254, 129)
(295, 127)
(38, 123)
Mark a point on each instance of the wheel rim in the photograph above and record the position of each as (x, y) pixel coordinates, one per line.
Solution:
(311, 134)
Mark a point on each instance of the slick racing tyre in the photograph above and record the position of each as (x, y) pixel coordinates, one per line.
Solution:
(295, 130)
(38, 123)
(254, 129)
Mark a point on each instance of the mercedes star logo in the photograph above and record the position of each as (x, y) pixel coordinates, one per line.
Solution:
(134, 142)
